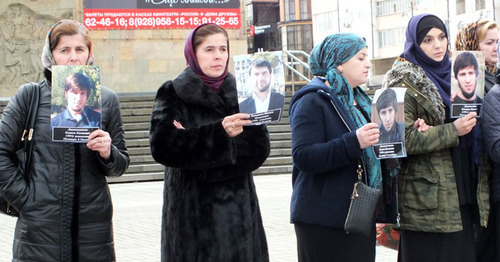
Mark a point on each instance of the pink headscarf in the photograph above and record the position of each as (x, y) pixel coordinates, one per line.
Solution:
(192, 62)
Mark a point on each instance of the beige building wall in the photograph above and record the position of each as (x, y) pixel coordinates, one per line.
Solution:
(130, 60)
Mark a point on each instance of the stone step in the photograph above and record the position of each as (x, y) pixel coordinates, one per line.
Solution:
(278, 161)
(131, 177)
(280, 152)
(141, 159)
(281, 144)
(126, 112)
(280, 136)
(139, 134)
(145, 168)
(136, 126)
(137, 143)
(279, 128)
(137, 119)
(268, 170)
(146, 105)
(137, 151)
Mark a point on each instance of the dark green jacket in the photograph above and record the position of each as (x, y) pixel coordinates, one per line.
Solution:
(428, 196)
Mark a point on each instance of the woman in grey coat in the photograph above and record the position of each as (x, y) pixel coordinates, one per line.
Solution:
(64, 204)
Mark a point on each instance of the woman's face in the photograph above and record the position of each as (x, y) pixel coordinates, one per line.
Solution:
(489, 47)
(356, 69)
(71, 50)
(212, 55)
(435, 44)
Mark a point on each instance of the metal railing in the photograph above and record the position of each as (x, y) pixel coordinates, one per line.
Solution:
(296, 66)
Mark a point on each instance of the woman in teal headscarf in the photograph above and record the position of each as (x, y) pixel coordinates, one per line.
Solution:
(331, 133)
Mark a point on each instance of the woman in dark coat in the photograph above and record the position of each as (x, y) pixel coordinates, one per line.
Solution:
(65, 204)
(331, 134)
(483, 36)
(210, 210)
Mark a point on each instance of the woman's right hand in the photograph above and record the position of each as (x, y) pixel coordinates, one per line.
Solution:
(421, 126)
(368, 135)
(465, 124)
(233, 124)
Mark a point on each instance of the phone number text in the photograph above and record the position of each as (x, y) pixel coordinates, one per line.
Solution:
(159, 22)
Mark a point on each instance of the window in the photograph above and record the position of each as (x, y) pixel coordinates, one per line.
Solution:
(386, 7)
(299, 37)
(249, 12)
(305, 9)
(480, 4)
(391, 37)
(290, 10)
(460, 7)
(324, 22)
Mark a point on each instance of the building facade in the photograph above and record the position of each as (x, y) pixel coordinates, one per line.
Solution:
(296, 25)
(262, 21)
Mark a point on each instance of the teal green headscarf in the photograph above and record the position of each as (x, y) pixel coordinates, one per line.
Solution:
(335, 50)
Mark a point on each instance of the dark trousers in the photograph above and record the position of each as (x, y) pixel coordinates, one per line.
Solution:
(440, 247)
(487, 242)
(328, 244)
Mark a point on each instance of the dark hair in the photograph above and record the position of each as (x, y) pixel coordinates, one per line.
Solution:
(78, 81)
(68, 28)
(387, 99)
(464, 60)
(207, 30)
(260, 63)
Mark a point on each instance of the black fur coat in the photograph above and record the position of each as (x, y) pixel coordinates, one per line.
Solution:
(210, 211)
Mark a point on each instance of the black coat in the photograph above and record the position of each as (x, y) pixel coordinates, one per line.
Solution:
(210, 210)
(490, 117)
(66, 201)
(325, 155)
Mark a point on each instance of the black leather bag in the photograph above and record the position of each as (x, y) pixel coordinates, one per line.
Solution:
(364, 200)
(26, 144)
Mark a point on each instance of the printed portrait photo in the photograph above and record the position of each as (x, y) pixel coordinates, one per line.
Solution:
(388, 113)
(75, 105)
(467, 83)
(261, 86)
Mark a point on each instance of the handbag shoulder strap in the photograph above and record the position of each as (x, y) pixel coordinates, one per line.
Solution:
(29, 126)
(33, 109)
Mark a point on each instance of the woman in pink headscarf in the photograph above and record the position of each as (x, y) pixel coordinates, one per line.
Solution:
(210, 210)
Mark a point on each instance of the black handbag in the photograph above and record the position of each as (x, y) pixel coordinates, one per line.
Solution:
(364, 200)
(26, 144)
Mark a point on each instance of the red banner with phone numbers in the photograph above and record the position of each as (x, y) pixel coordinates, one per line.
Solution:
(112, 19)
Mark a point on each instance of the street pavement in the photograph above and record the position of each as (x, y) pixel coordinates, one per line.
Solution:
(137, 218)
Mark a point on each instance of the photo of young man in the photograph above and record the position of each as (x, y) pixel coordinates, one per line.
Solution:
(77, 89)
(466, 71)
(466, 90)
(263, 97)
(390, 123)
(387, 107)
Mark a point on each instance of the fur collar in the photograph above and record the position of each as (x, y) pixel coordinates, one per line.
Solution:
(415, 76)
(191, 89)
